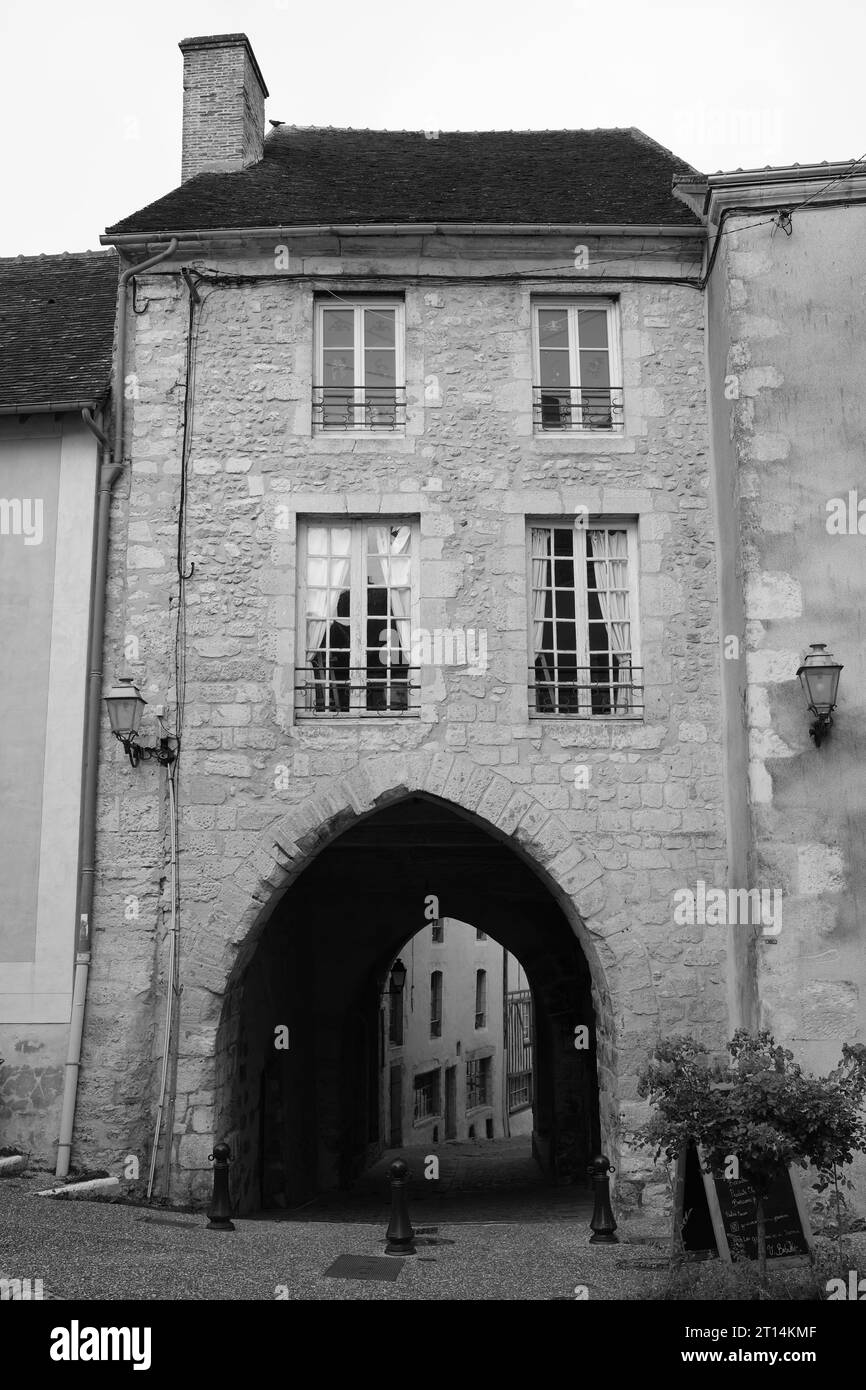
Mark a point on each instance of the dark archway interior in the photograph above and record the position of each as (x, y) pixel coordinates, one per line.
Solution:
(307, 1118)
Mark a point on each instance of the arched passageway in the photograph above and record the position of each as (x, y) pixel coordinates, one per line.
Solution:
(308, 1117)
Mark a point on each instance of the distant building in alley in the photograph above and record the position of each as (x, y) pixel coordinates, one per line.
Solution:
(448, 1075)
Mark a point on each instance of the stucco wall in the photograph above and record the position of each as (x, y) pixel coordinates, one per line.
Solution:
(793, 348)
(651, 819)
(48, 466)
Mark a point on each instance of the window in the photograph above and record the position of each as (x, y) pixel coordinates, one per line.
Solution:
(583, 615)
(481, 999)
(357, 595)
(426, 1090)
(359, 366)
(478, 1082)
(437, 931)
(480, 935)
(436, 1004)
(577, 366)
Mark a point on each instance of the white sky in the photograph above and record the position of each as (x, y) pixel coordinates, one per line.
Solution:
(90, 91)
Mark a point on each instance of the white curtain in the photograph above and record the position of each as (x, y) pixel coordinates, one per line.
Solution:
(323, 591)
(612, 546)
(392, 548)
(540, 543)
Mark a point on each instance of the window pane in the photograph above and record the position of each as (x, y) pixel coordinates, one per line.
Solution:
(338, 328)
(594, 369)
(380, 368)
(317, 571)
(338, 367)
(553, 328)
(562, 541)
(592, 328)
(317, 541)
(379, 328)
(398, 573)
(555, 370)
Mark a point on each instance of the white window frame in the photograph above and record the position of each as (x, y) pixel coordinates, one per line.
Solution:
(571, 306)
(358, 626)
(579, 527)
(358, 305)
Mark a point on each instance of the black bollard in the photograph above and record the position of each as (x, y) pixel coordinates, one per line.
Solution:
(220, 1206)
(399, 1234)
(602, 1224)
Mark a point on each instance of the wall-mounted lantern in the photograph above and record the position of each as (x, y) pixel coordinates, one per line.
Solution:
(398, 977)
(819, 677)
(126, 705)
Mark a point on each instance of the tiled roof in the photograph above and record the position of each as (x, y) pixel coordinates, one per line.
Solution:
(310, 176)
(56, 328)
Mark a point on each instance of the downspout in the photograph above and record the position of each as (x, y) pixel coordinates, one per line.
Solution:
(111, 467)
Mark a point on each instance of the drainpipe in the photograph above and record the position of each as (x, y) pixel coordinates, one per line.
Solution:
(111, 467)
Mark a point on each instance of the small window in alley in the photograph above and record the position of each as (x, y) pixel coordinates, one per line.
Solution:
(436, 1004)
(577, 374)
(478, 1074)
(481, 999)
(357, 613)
(426, 1089)
(359, 382)
(583, 620)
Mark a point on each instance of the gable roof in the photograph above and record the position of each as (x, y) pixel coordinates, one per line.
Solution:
(314, 175)
(56, 330)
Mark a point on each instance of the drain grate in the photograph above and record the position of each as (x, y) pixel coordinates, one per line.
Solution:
(364, 1267)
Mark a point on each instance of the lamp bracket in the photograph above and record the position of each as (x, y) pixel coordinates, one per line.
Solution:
(164, 753)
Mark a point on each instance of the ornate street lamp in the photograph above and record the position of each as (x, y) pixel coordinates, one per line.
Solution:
(819, 677)
(126, 705)
(398, 977)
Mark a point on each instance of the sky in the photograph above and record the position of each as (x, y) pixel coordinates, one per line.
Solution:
(91, 95)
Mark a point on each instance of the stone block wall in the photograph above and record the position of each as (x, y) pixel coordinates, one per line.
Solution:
(259, 789)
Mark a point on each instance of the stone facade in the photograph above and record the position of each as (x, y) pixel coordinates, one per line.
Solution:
(261, 791)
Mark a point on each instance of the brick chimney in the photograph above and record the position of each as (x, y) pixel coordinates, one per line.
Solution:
(223, 105)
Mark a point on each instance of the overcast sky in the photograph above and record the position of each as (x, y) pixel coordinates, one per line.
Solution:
(91, 97)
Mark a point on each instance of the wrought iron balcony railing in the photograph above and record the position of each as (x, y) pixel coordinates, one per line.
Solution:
(577, 407)
(359, 407)
(370, 691)
(586, 692)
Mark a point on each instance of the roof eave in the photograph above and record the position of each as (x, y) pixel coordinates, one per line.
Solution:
(145, 239)
(53, 407)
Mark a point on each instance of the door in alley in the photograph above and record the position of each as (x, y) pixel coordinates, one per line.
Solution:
(396, 1107)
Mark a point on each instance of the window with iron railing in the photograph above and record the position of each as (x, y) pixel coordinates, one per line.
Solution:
(357, 611)
(426, 1095)
(577, 366)
(583, 614)
(478, 1089)
(359, 366)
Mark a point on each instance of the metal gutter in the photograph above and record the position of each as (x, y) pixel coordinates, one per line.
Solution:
(50, 407)
(139, 240)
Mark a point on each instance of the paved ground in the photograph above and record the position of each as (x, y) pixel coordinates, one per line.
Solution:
(479, 1180)
(105, 1251)
(97, 1250)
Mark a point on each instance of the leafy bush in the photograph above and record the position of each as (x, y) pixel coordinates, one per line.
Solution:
(760, 1108)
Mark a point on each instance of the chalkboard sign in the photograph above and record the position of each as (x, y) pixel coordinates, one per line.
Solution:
(719, 1215)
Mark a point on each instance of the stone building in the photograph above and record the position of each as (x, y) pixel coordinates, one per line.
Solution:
(414, 543)
(431, 524)
(56, 329)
